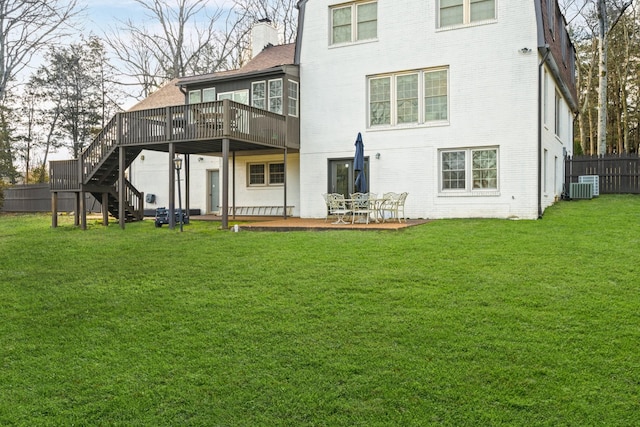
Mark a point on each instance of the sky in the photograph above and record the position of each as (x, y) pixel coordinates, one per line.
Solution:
(104, 16)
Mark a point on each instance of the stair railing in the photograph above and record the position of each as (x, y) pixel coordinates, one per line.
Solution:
(134, 199)
(102, 145)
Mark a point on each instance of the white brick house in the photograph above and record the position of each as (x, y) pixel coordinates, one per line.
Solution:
(465, 104)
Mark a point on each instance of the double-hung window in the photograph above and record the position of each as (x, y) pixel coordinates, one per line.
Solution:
(410, 97)
(354, 22)
(471, 170)
(265, 174)
(275, 96)
(293, 98)
(462, 12)
(267, 95)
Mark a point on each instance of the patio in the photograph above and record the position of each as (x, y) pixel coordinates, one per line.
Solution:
(263, 223)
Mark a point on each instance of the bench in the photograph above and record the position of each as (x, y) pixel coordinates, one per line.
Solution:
(260, 210)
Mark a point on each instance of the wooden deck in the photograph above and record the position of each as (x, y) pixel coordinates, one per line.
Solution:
(306, 224)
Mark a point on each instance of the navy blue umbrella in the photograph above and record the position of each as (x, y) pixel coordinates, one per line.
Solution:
(358, 166)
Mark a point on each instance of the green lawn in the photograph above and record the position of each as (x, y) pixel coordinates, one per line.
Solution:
(456, 322)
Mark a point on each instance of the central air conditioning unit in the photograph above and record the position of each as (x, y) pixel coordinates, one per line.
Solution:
(593, 180)
(580, 190)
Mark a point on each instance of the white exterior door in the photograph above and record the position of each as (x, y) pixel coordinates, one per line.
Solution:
(214, 191)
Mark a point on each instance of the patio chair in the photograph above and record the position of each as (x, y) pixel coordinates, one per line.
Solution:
(361, 205)
(389, 206)
(400, 207)
(338, 207)
(326, 196)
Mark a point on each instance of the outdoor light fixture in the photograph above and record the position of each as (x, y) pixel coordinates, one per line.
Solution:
(377, 155)
(177, 163)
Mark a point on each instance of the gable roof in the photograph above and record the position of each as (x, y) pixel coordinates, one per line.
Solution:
(168, 94)
(272, 58)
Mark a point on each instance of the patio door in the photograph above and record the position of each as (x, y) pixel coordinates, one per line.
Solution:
(342, 176)
(214, 191)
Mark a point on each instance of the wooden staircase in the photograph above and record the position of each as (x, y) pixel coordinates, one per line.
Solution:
(97, 172)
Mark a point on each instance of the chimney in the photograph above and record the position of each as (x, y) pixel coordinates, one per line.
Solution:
(263, 34)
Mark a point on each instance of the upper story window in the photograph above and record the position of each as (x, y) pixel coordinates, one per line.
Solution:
(409, 98)
(241, 96)
(354, 22)
(293, 98)
(202, 95)
(267, 95)
(462, 12)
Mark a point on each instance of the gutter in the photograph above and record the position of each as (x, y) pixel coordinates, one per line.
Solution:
(545, 56)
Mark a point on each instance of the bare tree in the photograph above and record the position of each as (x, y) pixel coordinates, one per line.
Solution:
(25, 28)
(605, 25)
(282, 12)
(180, 37)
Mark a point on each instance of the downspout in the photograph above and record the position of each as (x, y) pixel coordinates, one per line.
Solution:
(540, 86)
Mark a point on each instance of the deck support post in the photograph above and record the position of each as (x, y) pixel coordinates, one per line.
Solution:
(105, 209)
(121, 186)
(83, 210)
(284, 210)
(54, 209)
(225, 183)
(233, 185)
(187, 173)
(76, 208)
(172, 187)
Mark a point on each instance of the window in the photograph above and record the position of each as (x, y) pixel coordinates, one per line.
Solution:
(195, 97)
(469, 170)
(262, 174)
(205, 95)
(258, 94)
(461, 12)
(545, 96)
(209, 94)
(241, 96)
(275, 96)
(269, 95)
(558, 119)
(293, 99)
(354, 22)
(404, 98)
(276, 173)
(256, 174)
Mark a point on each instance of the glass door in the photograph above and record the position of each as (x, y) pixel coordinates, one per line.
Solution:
(342, 177)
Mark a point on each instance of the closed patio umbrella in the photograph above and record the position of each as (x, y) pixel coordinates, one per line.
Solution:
(358, 166)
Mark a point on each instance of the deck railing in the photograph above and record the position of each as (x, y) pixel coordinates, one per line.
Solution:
(64, 175)
(208, 120)
(179, 123)
(100, 148)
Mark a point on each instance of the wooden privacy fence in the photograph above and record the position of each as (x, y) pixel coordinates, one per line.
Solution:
(619, 173)
(37, 198)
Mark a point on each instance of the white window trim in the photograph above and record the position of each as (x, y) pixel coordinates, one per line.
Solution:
(466, 20)
(468, 191)
(281, 96)
(264, 99)
(354, 24)
(224, 95)
(421, 104)
(296, 99)
(267, 172)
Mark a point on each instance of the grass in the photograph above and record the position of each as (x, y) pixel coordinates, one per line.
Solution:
(456, 322)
